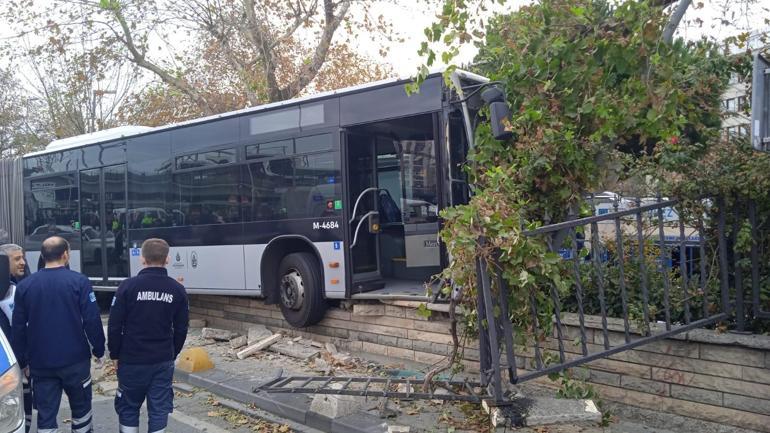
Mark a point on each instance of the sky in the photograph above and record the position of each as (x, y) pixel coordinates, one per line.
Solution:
(411, 17)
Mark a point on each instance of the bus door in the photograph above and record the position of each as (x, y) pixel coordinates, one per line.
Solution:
(362, 199)
(393, 204)
(103, 224)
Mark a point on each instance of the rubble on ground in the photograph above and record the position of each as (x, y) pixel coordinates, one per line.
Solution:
(217, 334)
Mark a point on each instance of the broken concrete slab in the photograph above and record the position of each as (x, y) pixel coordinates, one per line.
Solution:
(256, 347)
(218, 334)
(298, 351)
(238, 342)
(550, 410)
(257, 333)
(398, 429)
(540, 411)
(322, 366)
(336, 406)
(331, 348)
(342, 358)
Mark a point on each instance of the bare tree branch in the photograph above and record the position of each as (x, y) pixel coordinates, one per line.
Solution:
(139, 58)
(309, 71)
(674, 20)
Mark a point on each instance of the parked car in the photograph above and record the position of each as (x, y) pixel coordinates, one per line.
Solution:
(11, 397)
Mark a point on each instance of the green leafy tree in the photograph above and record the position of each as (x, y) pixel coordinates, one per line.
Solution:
(595, 95)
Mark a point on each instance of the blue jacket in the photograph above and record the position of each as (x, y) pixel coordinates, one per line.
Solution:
(148, 319)
(55, 317)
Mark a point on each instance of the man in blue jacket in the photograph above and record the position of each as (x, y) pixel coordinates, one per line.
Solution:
(18, 271)
(56, 327)
(147, 329)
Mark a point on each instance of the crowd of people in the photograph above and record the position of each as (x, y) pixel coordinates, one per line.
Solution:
(53, 322)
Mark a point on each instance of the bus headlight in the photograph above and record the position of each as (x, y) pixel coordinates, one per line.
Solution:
(11, 400)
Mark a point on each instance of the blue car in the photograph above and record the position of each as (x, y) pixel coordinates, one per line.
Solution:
(11, 397)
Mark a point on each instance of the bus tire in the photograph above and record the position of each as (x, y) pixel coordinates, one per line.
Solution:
(301, 290)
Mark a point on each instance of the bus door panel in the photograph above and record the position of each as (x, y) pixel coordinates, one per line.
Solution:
(103, 252)
(362, 188)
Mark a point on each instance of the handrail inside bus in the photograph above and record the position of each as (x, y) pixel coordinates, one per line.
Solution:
(358, 227)
(358, 200)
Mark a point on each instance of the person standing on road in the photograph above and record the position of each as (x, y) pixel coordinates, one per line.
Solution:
(55, 328)
(146, 331)
(18, 267)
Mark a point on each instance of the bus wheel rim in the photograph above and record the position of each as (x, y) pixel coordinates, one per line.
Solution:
(292, 290)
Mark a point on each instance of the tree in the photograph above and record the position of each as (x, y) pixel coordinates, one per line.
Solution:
(21, 129)
(270, 50)
(160, 104)
(595, 95)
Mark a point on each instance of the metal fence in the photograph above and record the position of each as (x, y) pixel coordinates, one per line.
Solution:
(685, 276)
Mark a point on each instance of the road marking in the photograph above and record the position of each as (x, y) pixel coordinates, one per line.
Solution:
(197, 423)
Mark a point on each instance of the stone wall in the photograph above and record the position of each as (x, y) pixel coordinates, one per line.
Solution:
(724, 378)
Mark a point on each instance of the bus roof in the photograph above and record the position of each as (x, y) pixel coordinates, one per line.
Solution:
(133, 131)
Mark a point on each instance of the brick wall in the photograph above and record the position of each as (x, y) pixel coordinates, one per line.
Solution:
(723, 378)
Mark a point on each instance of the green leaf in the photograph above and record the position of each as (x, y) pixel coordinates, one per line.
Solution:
(423, 311)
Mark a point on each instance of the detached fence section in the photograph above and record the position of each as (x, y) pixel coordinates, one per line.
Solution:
(639, 271)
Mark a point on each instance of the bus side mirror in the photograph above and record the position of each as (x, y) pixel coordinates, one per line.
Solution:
(760, 104)
(499, 113)
(5, 276)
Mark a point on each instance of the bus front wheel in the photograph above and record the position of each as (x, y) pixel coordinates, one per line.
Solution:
(301, 290)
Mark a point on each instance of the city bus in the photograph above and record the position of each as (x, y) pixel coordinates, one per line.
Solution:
(321, 198)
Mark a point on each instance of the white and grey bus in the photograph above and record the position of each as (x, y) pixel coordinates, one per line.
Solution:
(333, 196)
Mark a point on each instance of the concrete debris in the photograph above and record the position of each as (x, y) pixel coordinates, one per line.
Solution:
(322, 366)
(439, 391)
(257, 333)
(238, 342)
(296, 339)
(331, 348)
(550, 410)
(256, 347)
(398, 429)
(298, 351)
(316, 344)
(218, 334)
(385, 411)
(336, 406)
(342, 358)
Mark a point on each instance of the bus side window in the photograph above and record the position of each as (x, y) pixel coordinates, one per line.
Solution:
(207, 196)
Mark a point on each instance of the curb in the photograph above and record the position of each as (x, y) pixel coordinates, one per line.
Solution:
(295, 407)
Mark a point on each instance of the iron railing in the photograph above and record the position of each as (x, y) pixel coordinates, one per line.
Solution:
(645, 230)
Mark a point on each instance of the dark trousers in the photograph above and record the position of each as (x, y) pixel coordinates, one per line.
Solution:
(27, 388)
(137, 382)
(48, 384)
